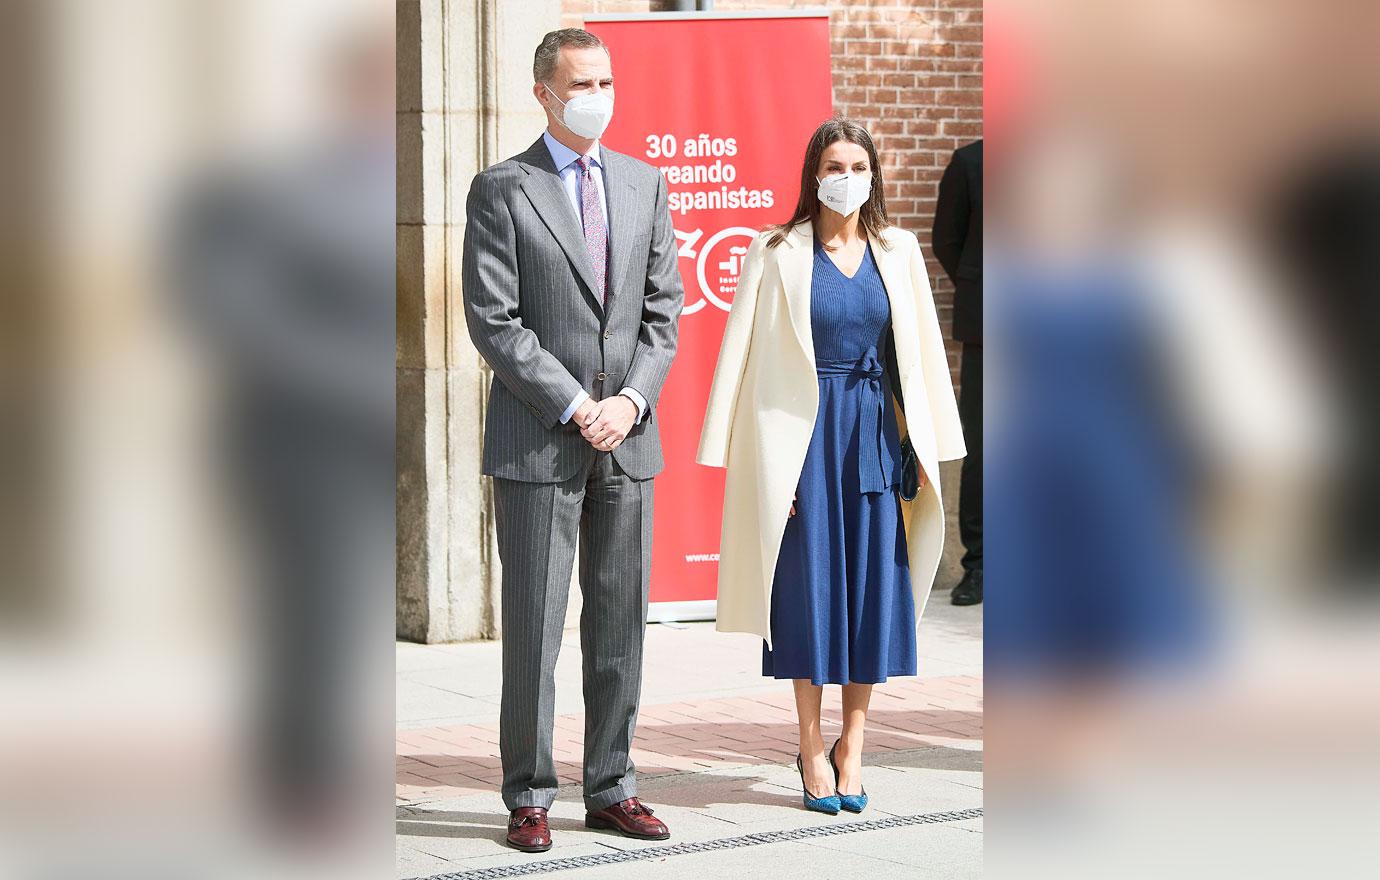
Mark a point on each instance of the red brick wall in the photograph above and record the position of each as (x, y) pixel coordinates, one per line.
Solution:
(910, 71)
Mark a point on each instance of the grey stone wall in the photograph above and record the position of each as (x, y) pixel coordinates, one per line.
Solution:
(464, 102)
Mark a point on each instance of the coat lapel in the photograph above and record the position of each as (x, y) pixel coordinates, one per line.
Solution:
(547, 195)
(796, 265)
(893, 265)
(797, 271)
(896, 279)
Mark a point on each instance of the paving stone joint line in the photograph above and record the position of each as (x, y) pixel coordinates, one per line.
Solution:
(723, 843)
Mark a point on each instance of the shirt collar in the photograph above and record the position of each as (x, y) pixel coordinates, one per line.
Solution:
(561, 155)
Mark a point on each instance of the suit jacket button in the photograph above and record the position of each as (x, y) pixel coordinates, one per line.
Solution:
(602, 376)
(608, 334)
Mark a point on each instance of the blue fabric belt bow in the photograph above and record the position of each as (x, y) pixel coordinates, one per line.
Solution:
(876, 460)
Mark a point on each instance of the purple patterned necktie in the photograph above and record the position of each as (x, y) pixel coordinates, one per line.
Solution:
(596, 231)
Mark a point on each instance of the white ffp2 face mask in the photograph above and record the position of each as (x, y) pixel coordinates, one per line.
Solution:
(586, 115)
(845, 193)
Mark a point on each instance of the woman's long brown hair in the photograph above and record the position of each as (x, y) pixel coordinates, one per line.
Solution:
(872, 216)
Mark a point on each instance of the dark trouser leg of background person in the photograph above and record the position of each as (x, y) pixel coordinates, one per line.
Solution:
(969, 590)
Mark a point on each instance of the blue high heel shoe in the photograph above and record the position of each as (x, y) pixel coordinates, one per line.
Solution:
(853, 803)
(828, 804)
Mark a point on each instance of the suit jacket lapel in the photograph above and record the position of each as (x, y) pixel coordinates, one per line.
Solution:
(547, 195)
(621, 204)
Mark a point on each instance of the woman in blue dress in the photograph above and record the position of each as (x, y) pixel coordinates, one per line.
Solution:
(842, 608)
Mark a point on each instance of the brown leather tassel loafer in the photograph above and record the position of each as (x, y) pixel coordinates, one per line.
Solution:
(630, 818)
(528, 831)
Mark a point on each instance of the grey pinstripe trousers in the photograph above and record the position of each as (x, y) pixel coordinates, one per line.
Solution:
(537, 525)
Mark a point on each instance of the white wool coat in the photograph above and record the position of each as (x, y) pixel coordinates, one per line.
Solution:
(765, 396)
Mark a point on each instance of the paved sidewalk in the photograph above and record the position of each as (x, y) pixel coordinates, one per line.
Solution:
(715, 751)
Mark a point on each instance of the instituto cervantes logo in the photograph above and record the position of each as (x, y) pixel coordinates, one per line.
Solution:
(718, 263)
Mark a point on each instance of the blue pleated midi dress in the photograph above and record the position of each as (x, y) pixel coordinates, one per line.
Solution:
(842, 610)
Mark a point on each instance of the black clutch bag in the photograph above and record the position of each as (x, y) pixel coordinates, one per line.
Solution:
(910, 462)
(910, 471)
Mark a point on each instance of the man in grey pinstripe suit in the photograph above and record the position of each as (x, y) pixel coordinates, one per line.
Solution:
(572, 295)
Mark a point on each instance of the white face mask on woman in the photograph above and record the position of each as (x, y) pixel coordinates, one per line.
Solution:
(845, 193)
(586, 115)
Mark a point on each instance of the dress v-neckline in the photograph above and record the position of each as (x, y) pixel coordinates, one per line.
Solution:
(867, 247)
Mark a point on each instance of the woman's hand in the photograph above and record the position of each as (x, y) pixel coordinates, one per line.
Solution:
(794, 499)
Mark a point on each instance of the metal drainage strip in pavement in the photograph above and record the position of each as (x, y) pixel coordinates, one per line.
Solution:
(680, 849)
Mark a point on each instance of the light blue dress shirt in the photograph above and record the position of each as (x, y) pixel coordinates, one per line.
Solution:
(564, 159)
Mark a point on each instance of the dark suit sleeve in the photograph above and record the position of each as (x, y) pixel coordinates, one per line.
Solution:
(951, 213)
(492, 312)
(663, 296)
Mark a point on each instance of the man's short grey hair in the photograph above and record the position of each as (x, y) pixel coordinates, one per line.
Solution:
(549, 52)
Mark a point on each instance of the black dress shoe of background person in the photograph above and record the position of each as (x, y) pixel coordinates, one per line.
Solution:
(969, 590)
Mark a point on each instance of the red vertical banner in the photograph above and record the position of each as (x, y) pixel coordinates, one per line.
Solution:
(724, 106)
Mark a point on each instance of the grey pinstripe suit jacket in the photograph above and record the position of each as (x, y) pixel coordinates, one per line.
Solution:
(534, 314)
